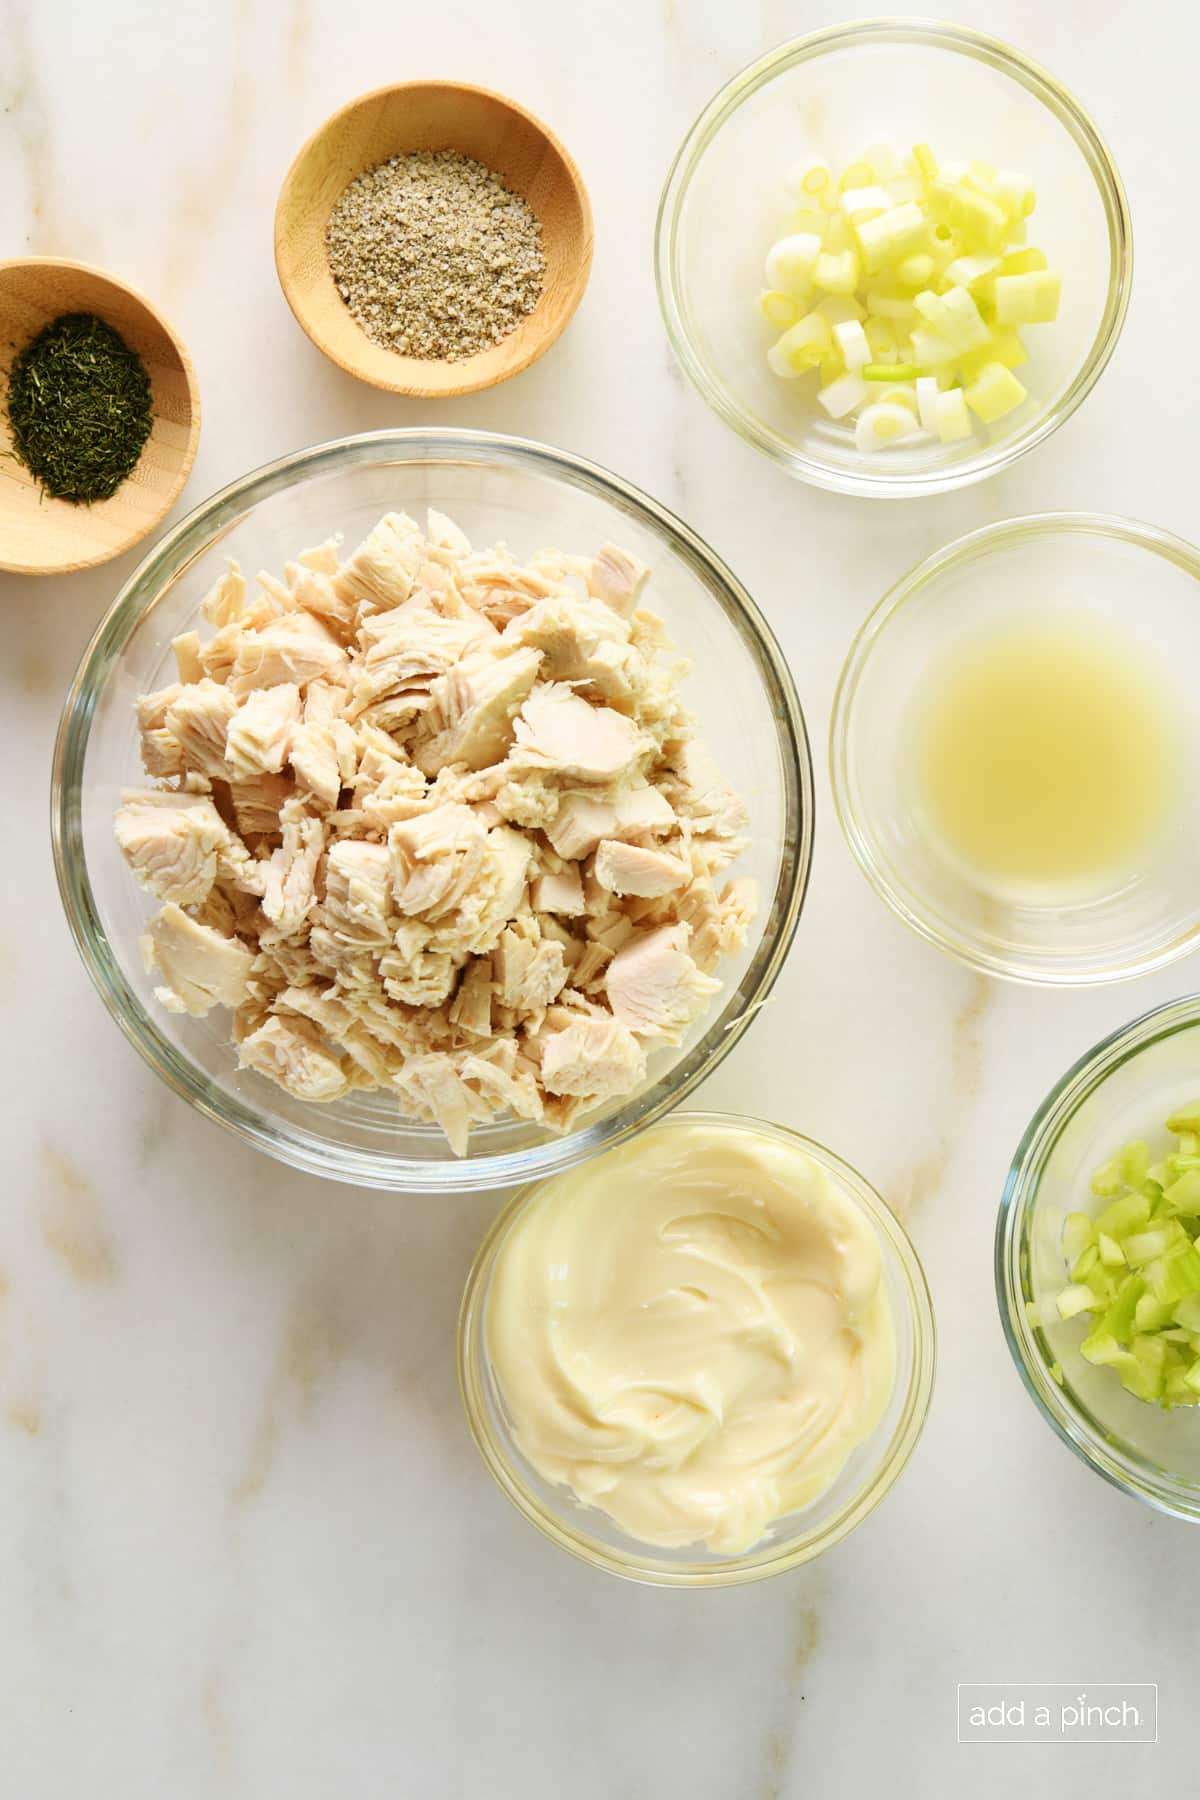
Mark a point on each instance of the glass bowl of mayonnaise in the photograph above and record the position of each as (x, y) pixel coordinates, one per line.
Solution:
(700, 1359)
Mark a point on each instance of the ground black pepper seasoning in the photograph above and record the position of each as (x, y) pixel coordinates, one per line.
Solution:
(80, 408)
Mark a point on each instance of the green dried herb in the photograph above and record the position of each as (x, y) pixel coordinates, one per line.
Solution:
(80, 408)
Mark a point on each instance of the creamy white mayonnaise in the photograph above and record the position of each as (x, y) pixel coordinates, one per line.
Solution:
(692, 1333)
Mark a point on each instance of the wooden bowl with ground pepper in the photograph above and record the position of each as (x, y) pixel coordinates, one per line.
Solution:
(433, 238)
(99, 416)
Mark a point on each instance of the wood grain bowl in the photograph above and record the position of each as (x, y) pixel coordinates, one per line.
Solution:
(42, 536)
(431, 115)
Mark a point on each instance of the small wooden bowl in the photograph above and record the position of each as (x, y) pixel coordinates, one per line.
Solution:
(41, 536)
(431, 115)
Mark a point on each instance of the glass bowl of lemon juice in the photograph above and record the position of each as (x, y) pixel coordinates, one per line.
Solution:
(1014, 745)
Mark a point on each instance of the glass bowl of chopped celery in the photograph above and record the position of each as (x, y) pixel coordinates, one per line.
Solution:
(1097, 1260)
(416, 1023)
(893, 256)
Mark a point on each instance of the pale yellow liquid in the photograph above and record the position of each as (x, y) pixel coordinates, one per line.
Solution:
(1046, 754)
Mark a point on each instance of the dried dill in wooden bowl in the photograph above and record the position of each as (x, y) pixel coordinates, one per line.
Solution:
(99, 416)
(80, 408)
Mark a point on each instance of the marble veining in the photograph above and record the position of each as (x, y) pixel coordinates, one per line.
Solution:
(246, 1547)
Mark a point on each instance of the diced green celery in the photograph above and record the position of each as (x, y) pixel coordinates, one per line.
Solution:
(1107, 1180)
(1130, 1213)
(1135, 1161)
(1192, 1377)
(1143, 1247)
(1077, 1233)
(1111, 1253)
(1085, 1262)
(1102, 1349)
(1118, 1321)
(1186, 1312)
(897, 371)
(1185, 1120)
(1150, 1314)
(1183, 1195)
(925, 161)
(1176, 1276)
(1146, 1380)
(1077, 1299)
(1102, 1283)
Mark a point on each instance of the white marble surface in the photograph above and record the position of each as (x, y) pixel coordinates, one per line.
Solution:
(246, 1548)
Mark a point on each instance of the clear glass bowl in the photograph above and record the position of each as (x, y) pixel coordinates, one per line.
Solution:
(1146, 583)
(906, 81)
(498, 489)
(1123, 1088)
(866, 1478)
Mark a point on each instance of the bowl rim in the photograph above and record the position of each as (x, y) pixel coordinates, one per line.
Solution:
(76, 564)
(641, 1563)
(175, 552)
(856, 831)
(1068, 1420)
(1006, 60)
(418, 390)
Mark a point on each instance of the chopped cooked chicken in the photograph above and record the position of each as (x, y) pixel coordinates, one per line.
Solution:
(324, 758)
(531, 970)
(471, 1009)
(473, 708)
(617, 578)
(226, 599)
(200, 968)
(186, 650)
(594, 1057)
(291, 1052)
(434, 822)
(381, 571)
(289, 876)
(162, 755)
(581, 821)
(259, 736)
(358, 892)
(198, 719)
(172, 842)
(581, 642)
(557, 729)
(634, 869)
(558, 891)
(655, 988)
(297, 648)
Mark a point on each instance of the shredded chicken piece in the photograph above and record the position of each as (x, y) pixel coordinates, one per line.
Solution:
(200, 968)
(654, 987)
(173, 843)
(435, 822)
